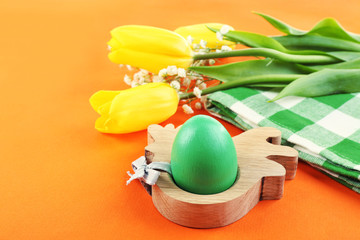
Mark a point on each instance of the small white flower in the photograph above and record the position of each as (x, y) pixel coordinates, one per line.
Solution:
(197, 92)
(181, 72)
(109, 47)
(175, 84)
(141, 80)
(187, 109)
(225, 29)
(186, 82)
(218, 50)
(202, 86)
(137, 77)
(219, 36)
(202, 51)
(198, 105)
(203, 99)
(225, 48)
(203, 43)
(196, 46)
(121, 65)
(212, 61)
(163, 73)
(134, 84)
(157, 78)
(127, 80)
(129, 67)
(190, 39)
(172, 70)
(144, 72)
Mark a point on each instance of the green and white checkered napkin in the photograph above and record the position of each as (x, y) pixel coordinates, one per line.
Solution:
(325, 130)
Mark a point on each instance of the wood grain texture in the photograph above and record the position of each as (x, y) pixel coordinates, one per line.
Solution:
(263, 167)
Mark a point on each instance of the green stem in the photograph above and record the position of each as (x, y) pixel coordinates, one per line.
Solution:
(266, 52)
(274, 78)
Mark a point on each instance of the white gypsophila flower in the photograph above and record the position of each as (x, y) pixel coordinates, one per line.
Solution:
(203, 43)
(186, 82)
(157, 78)
(202, 51)
(144, 72)
(109, 47)
(212, 61)
(198, 105)
(196, 46)
(187, 109)
(163, 73)
(181, 72)
(225, 29)
(197, 92)
(127, 80)
(121, 65)
(138, 77)
(129, 67)
(190, 39)
(225, 48)
(203, 99)
(144, 76)
(202, 86)
(172, 70)
(141, 80)
(218, 50)
(175, 84)
(134, 84)
(219, 36)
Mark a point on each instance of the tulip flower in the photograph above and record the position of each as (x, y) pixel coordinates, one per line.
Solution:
(149, 48)
(200, 32)
(134, 109)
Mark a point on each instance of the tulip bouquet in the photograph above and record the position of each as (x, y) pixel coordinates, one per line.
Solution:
(179, 66)
(161, 59)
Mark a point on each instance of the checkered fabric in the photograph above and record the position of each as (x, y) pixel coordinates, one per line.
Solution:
(325, 130)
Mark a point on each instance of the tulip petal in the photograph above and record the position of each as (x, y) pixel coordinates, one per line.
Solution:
(150, 61)
(101, 100)
(151, 39)
(107, 125)
(114, 44)
(136, 108)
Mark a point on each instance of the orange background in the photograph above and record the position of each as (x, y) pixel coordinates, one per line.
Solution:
(61, 179)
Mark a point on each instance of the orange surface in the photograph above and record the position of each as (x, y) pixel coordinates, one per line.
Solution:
(61, 179)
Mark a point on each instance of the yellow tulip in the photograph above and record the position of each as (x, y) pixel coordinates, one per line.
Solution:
(200, 32)
(149, 48)
(134, 109)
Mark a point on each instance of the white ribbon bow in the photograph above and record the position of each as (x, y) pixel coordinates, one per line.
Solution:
(149, 173)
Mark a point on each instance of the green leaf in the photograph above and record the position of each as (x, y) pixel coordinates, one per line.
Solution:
(353, 64)
(267, 85)
(281, 26)
(323, 82)
(315, 42)
(327, 27)
(238, 70)
(345, 56)
(255, 40)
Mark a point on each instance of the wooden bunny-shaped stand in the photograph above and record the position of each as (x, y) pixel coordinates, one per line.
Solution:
(263, 167)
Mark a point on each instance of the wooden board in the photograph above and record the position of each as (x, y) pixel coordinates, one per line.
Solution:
(263, 167)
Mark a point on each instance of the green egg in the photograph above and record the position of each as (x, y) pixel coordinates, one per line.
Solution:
(203, 156)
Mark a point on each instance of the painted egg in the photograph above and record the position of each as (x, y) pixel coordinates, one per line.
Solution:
(203, 156)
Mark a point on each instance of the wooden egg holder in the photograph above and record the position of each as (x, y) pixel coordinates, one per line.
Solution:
(263, 167)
